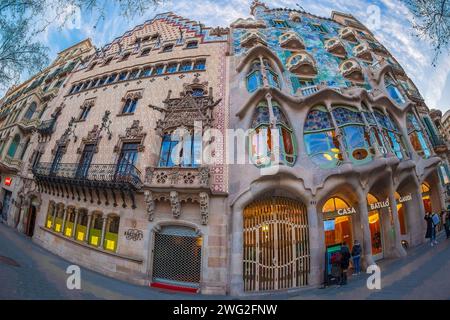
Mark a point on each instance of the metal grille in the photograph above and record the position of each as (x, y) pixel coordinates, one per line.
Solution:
(177, 256)
(276, 245)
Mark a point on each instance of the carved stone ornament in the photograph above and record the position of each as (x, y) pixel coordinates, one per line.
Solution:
(204, 207)
(150, 204)
(219, 31)
(185, 110)
(133, 95)
(93, 137)
(88, 103)
(175, 204)
(135, 133)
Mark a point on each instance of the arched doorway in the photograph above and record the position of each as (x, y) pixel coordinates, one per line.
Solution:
(177, 256)
(426, 197)
(376, 232)
(276, 244)
(338, 222)
(31, 220)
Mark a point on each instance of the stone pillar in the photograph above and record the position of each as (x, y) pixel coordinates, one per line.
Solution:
(88, 227)
(55, 213)
(418, 236)
(74, 235)
(104, 222)
(236, 257)
(367, 241)
(399, 251)
(64, 221)
(316, 245)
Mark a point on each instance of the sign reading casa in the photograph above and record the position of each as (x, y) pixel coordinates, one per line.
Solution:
(346, 211)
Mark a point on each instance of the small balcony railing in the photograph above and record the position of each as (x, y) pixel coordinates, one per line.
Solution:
(46, 127)
(110, 176)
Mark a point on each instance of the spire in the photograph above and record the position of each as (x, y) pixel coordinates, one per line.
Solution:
(257, 4)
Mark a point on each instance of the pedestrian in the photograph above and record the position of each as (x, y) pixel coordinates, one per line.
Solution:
(431, 229)
(446, 220)
(345, 262)
(356, 255)
(336, 271)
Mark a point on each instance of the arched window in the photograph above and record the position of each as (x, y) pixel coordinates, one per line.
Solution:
(391, 133)
(112, 233)
(81, 229)
(255, 76)
(321, 142)
(50, 214)
(416, 136)
(357, 141)
(31, 110)
(185, 151)
(13, 146)
(337, 224)
(24, 149)
(393, 90)
(262, 147)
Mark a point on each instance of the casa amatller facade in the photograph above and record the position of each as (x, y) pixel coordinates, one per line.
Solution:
(339, 146)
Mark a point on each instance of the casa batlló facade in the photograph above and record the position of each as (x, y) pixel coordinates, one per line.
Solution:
(338, 146)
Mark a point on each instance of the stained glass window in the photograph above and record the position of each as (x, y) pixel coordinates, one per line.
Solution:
(318, 119)
(345, 115)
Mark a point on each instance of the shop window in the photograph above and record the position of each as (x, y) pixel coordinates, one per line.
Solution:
(184, 151)
(95, 232)
(50, 213)
(261, 138)
(111, 233)
(129, 106)
(81, 227)
(59, 218)
(321, 142)
(69, 230)
(416, 136)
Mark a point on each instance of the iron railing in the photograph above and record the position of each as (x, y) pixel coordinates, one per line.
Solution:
(46, 127)
(114, 176)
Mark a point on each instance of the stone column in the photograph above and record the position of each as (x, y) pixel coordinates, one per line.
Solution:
(104, 222)
(399, 251)
(64, 221)
(88, 227)
(367, 241)
(74, 235)
(316, 245)
(236, 257)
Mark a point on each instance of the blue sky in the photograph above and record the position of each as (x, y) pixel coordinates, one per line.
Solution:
(394, 31)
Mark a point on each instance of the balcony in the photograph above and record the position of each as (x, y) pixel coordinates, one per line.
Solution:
(335, 47)
(414, 95)
(302, 64)
(378, 48)
(253, 38)
(290, 40)
(9, 164)
(348, 34)
(295, 16)
(363, 51)
(71, 179)
(47, 95)
(29, 124)
(177, 177)
(351, 70)
(46, 127)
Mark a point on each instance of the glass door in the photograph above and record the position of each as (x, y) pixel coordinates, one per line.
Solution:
(127, 159)
(85, 161)
(57, 160)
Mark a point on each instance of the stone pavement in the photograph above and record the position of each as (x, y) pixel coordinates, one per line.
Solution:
(423, 274)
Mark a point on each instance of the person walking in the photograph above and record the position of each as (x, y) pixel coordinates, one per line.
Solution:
(345, 262)
(446, 220)
(430, 227)
(356, 256)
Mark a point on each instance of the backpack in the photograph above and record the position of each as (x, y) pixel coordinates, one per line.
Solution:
(435, 218)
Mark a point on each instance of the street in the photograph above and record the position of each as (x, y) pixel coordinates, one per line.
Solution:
(29, 272)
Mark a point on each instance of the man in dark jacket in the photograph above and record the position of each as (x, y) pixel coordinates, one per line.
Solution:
(356, 255)
(345, 262)
(431, 229)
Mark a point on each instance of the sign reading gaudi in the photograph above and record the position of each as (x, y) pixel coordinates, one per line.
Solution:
(406, 198)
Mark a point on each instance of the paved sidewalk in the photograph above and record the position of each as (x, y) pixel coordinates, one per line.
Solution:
(423, 274)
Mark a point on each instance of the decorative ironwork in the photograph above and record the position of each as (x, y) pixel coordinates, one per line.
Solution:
(106, 122)
(46, 127)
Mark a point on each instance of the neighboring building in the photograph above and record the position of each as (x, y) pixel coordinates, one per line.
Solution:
(330, 106)
(112, 198)
(445, 125)
(21, 115)
(338, 146)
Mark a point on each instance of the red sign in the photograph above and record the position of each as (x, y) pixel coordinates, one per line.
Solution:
(8, 181)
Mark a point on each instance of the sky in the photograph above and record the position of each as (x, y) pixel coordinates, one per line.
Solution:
(389, 20)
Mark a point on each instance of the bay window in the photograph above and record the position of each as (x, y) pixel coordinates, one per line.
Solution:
(416, 136)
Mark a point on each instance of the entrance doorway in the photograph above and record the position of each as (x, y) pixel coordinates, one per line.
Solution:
(177, 256)
(426, 197)
(338, 222)
(31, 221)
(276, 244)
(376, 232)
(6, 204)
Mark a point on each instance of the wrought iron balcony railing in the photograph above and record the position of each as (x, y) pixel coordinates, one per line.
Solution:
(46, 127)
(111, 176)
